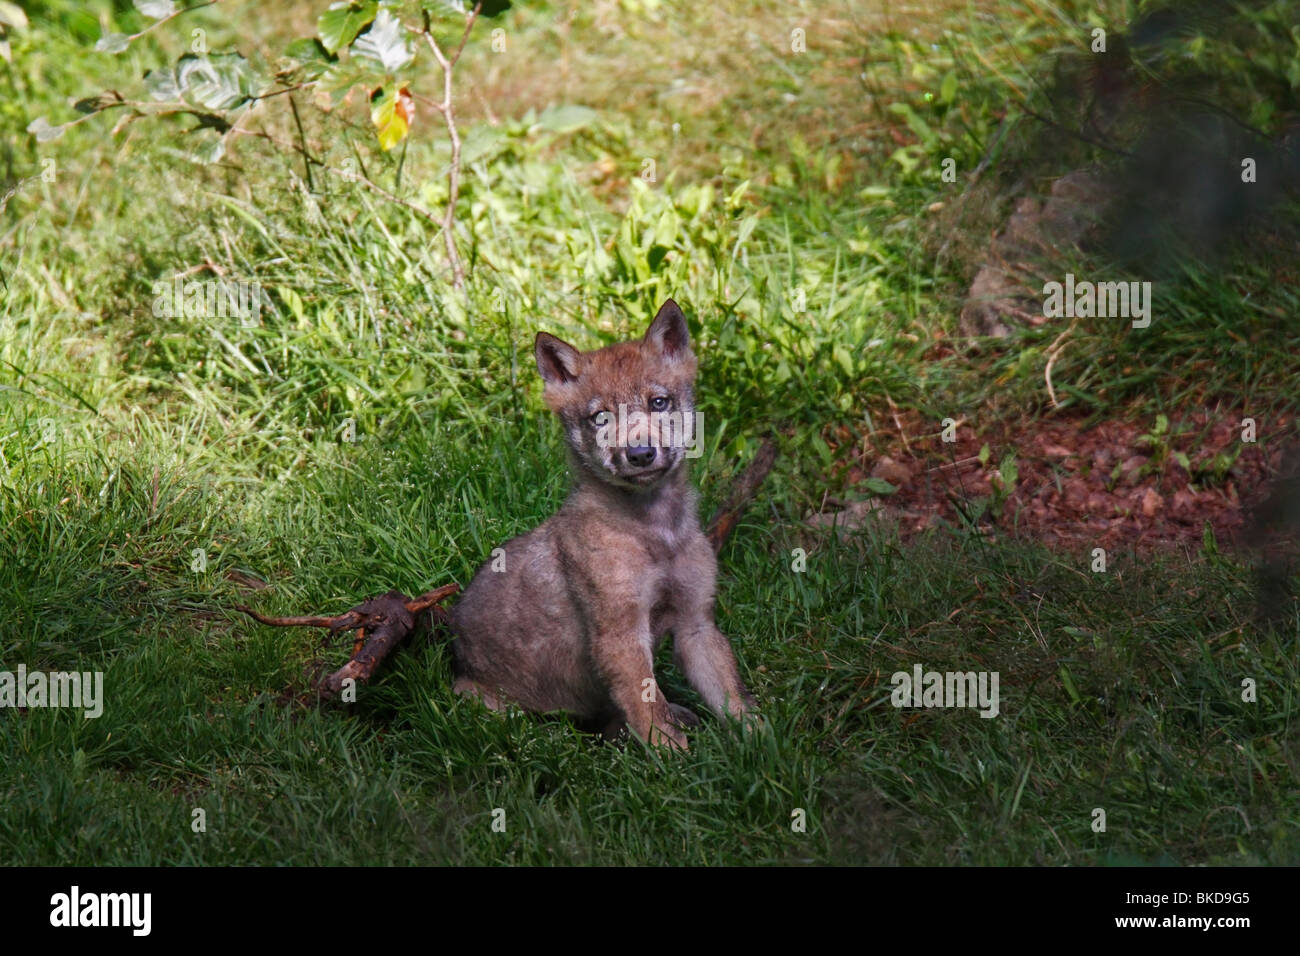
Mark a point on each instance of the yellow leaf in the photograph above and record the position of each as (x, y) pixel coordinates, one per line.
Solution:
(392, 114)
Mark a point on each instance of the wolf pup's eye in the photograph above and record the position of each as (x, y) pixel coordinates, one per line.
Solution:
(600, 418)
(659, 403)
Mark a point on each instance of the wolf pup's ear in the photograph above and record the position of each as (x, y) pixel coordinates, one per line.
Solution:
(668, 332)
(556, 360)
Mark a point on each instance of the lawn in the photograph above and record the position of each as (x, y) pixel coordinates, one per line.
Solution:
(372, 426)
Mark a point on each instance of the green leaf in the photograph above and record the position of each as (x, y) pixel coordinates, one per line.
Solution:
(384, 43)
(43, 131)
(823, 450)
(339, 25)
(948, 88)
(844, 357)
(210, 146)
(695, 199)
(156, 9)
(1068, 681)
(1008, 472)
(293, 300)
(905, 159)
(310, 54)
(339, 79)
(917, 125)
(221, 81)
(161, 86)
(878, 486)
(737, 195)
(666, 228)
(93, 104)
(113, 43)
(746, 229)
(306, 49)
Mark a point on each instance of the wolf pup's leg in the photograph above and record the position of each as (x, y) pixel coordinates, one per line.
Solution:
(703, 654)
(622, 655)
(701, 651)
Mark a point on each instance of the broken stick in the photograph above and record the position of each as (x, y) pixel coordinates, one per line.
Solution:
(724, 520)
(382, 623)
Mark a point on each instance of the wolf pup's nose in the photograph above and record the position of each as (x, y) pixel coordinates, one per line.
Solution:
(640, 456)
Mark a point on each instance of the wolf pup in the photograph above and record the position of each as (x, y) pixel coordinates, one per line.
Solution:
(568, 616)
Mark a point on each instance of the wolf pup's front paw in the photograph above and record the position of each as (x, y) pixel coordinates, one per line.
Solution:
(753, 722)
(683, 717)
(745, 711)
(667, 735)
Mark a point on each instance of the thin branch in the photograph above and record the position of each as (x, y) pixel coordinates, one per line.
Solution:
(1053, 353)
(453, 174)
(469, 25)
(381, 622)
(349, 619)
(448, 114)
(283, 90)
(1077, 134)
(171, 16)
(302, 138)
(369, 184)
(742, 492)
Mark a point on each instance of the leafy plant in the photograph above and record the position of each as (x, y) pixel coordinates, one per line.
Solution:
(362, 43)
(1004, 484)
(1158, 442)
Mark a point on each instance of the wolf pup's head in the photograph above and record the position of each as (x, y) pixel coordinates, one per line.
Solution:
(628, 409)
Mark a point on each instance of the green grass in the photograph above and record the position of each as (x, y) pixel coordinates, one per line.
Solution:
(1149, 727)
(148, 465)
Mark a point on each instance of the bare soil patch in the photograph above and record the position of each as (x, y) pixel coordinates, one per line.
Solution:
(1109, 484)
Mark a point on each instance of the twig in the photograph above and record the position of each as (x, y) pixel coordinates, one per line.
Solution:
(382, 624)
(171, 16)
(448, 114)
(955, 463)
(1054, 352)
(302, 138)
(726, 517)
(370, 184)
(893, 410)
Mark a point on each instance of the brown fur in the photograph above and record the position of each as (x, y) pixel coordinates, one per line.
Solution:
(570, 616)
